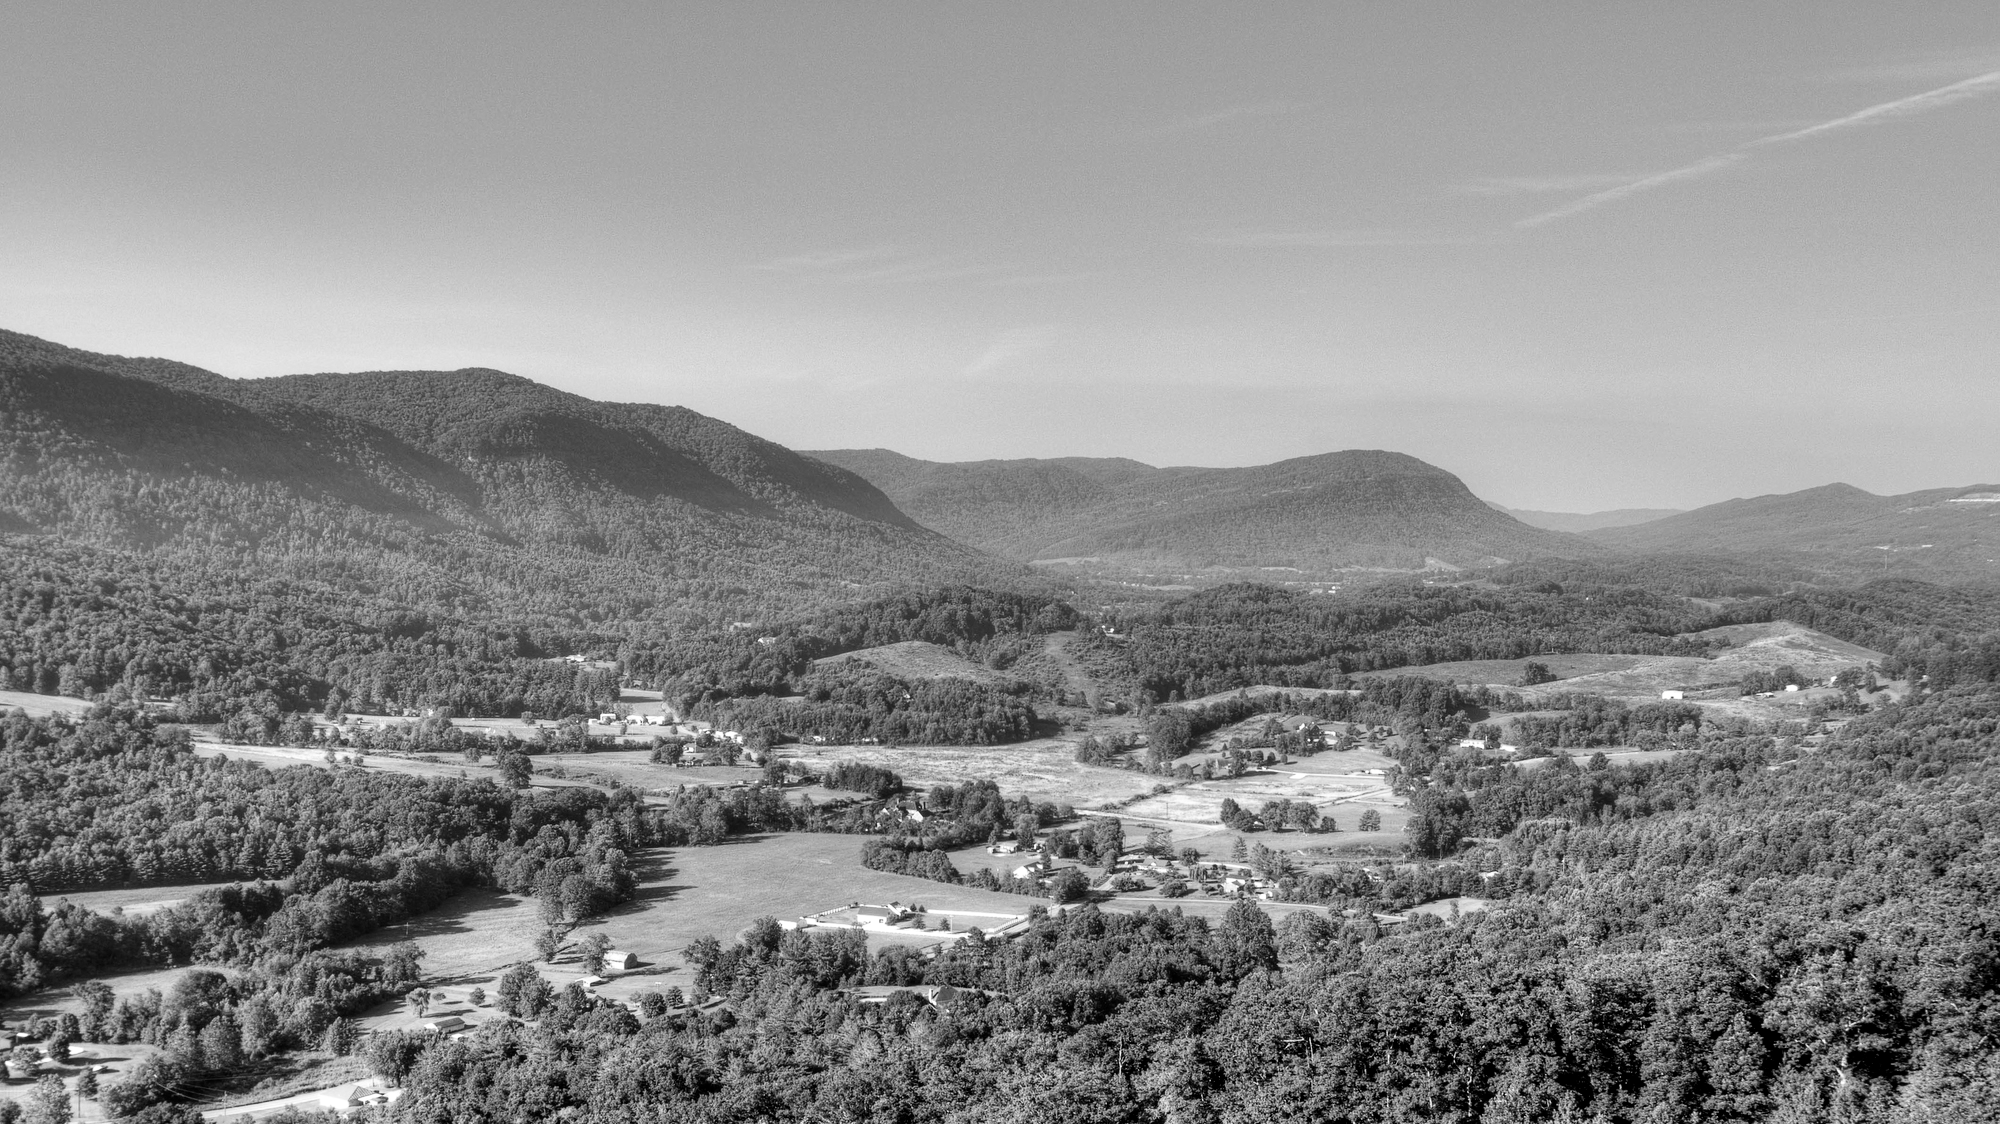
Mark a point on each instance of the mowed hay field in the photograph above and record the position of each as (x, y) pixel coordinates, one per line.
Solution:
(1335, 781)
(916, 659)
(635, 767)
(717, 891)
(54, 1001)
(472, 937)
(1044, 769)
(1752, 648)
(133, 900)
(41, 706)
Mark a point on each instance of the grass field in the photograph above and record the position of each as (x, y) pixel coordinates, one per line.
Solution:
(119, 1058)
(41, 706)
(475, 934)
(1209, 908)
(135, 900)
(1043, 769)
(278, 757)
(1615, 755)
(632, 767)
(55, 1001)
(915, 659)
(1752, 647)
(716, 891)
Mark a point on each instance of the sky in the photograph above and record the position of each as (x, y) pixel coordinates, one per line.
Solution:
(1585, 256)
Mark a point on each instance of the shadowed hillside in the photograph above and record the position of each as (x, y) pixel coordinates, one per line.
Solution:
(466, 483)
(1318, 514)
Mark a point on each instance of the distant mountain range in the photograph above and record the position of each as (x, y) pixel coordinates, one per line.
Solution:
(1576, 523)
(1951, 532)
(473, 484)
(1317, 515)
(480, 490)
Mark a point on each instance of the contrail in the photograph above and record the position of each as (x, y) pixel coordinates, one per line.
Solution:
(1613, 195)
(1901, 107)
(1973, 87)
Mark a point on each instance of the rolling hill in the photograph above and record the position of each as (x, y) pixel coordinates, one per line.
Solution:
(469, 486)
(1577, 523)
(1946, 532)
(1316, 515)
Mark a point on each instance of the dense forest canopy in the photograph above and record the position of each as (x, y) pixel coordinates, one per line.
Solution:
(1753, 927)
(1236, 636)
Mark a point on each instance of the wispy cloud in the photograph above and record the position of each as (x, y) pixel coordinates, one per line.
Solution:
(826, 261)
(916, 270)
(1535, 185)
(1309, 239)
(1922, 67)
(1036, 280)
(1761, 125)
(1009, 346)
(1979, 85)
(877, 265)
(1202, 121)
(1627, 190)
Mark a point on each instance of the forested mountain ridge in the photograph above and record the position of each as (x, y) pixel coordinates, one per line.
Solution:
(512, 494)
(1317, 514)
(1953, 532)
(1579, 522)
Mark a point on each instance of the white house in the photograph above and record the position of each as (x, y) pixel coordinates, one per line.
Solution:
(620, 959)
(1790, 687)
(446, 1025)
(347, 1096)
(1673, 694)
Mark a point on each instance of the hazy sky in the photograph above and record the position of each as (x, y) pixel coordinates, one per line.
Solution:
(1583, 255)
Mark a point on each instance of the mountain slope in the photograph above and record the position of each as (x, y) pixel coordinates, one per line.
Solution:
(473, 485)
(1577, 523)
(1942, 530)
(1318, 514)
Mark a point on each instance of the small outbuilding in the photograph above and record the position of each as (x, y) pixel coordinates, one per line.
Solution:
(449, 1024)
(620, 960)
(346, 1096)
(1673, 694)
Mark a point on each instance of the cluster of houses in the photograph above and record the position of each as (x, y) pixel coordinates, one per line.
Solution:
(897, 917)
(342, 1100)
(1221, 878)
